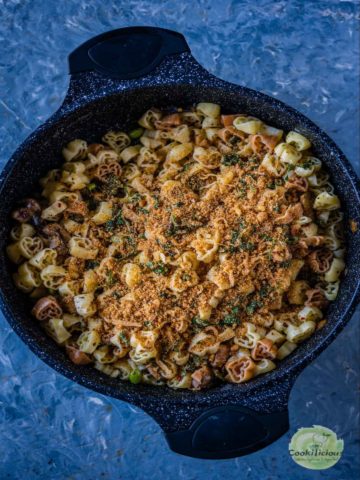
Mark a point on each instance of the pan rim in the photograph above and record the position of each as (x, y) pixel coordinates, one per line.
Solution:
(154, 392)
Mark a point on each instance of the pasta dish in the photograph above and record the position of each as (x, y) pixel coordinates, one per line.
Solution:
(196, 248)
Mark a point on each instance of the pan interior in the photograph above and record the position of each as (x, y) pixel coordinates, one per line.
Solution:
(42, 152)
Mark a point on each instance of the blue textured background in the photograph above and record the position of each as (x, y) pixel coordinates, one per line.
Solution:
(304, 52)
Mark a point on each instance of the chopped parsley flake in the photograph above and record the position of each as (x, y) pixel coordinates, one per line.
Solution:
(165, 295)
(143, 210)
(232, 318)
(234, 235)
(158, 267)
(307, 164)
(91, 264)
(113, 185)
(197, 322)
(253, 306)
(116, 221)
(231, 159)
(264, 291)
(167, 246)
(124, 338)
(247, 246)
(285, 264)
(110, 278)
(291, 239)
(156, 203)
(135, 198)
(266, 237)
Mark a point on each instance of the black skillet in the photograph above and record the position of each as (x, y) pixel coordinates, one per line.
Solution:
(115, 77)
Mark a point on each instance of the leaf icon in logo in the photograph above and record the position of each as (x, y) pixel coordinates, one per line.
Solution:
(319, 439)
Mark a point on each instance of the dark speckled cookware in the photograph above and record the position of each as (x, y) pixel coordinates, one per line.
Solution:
(115, 77)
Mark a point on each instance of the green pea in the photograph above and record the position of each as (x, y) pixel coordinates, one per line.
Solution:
(134, 134)
(91, 186)
(135, 376)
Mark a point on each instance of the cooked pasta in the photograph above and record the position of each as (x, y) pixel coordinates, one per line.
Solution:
(196, 248)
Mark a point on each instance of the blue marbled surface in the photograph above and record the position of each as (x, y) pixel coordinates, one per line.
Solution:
(305, 53)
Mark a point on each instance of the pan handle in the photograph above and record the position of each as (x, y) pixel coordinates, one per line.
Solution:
(228, 432)
(128, 58)
(127, 53)
(210, 429)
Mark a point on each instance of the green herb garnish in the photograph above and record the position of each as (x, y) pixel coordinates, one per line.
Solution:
(91, 264)
(135, 198)
(231, 159)
(116, 221)
(174, 226)
(266, 237)
(276, 208)
(110, 280)
(197, 322)
(158, 267)
(264, 291)
(143, 210)
(234, 235)
(92, 203)
(135, 376)
(91, 187)
(136, 133)
(113, 185)
(231, 318)
(119, 219)
(253, 306)
(156, 203)
(285, 264)
(291, 239)
(124, 338)
(247, 246)
(167, 247)
(165, 295)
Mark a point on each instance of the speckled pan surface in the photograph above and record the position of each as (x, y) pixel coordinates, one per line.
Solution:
(93, 105)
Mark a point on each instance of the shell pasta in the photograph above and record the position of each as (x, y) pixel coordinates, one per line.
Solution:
(196, 248)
